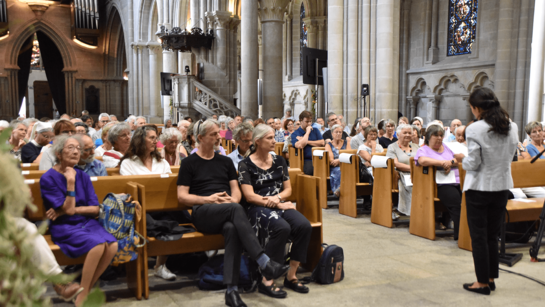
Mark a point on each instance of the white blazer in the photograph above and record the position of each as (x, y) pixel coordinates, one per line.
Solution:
(488, 163)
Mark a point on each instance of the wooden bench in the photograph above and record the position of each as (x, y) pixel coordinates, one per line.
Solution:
(160, 194)
(424, 201)
(296, 158)
(351, 187)
(320, 161)
(102, 186)
(278, 147)
(111, 172)
(525, 175)
(384, 184)
(30, 166)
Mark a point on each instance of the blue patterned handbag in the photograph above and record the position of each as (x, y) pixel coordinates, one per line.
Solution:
(117, 216)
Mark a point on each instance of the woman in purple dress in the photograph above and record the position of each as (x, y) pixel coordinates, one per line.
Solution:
(72, 206)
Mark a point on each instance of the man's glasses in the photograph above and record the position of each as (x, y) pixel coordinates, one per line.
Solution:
(90, 149)
(47, 136)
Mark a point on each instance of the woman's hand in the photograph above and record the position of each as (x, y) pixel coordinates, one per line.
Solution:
(372, 144)
(272, 201)
(286, 206)
(52, 214)
(70, 174)
(459, 157)
(335, 162)
(367, 164)
(446, 165)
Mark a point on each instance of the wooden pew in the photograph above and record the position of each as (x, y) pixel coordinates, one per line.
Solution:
(384, 184)
(424, 201)
(99, 158)
(321, 170)
(30, 166)
(278, 147)
(296, 157)
(102, 186)
(111, 172)
(160, 194)
(350, 185)
(518, 211)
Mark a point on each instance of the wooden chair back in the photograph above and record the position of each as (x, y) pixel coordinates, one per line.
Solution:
(278, 147)
(321, 170)
(294, 177)
(296, 157)
(351, 186)
(384, 184)
(30, 166)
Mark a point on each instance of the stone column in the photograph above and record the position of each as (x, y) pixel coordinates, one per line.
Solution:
(352, 80)
(433, 107)
(503, 53)
(386, 97)
(221, 19)
(202, 12)
(249, 58)
(433, 51)
(194, 13)
(289, 51)
(312, 29)
(284, 48)
(272, 13)
(537, 60)
(335, 55)
(154, 80)
(169, 65)
(134, 77)
(412, 101)
(469, 114)
(322, 22)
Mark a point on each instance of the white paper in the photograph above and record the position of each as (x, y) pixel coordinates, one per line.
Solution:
(318, 153)
(94, 178)
(26, 164)
(25, 172)
(379, 162)
(442, 178)
(164, 176)
(345, 158)
(30, 181)
(525, 200)
(407, 180)
(457, 148)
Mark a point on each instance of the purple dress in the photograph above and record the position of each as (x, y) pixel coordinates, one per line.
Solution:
(76, 235)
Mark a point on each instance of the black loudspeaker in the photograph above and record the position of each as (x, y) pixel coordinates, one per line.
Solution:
(365, 89)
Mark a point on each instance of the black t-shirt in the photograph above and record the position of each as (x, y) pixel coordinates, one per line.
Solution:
(30, 152)
(206, 177)
(328, 135)
(265, 182)
(385, 142)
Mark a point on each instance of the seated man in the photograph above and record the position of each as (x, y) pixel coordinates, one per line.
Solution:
(306, 137)
(332, 120)
(33, 151)
(243, 138)
(87, 162)
(207, 182)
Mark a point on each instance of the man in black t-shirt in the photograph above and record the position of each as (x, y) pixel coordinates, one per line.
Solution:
(332, 120)
(207, 182)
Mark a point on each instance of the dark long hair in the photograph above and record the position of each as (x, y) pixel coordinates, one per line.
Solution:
(492, 113)
(138, 144)
(354, 130)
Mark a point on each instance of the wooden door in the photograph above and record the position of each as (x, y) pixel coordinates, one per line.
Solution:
(43, 100)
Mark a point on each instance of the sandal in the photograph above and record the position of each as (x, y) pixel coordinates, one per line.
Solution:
(295, 285)
(269, 291)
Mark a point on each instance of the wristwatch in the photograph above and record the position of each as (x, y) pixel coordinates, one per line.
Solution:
(279, 197)
(71, 193)
(452, 161)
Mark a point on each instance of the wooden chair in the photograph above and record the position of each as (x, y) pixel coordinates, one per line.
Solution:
(320, 161)
(518, 211)
(278, 147)
(351, 187)
(384, 184)
(102, 186)
(30, 166)
(296, 157)
(99, 158)
(424, 201)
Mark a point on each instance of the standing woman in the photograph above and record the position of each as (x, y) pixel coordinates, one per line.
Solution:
(333, 149)
(492, 142)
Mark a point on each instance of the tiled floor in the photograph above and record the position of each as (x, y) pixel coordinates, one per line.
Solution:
(383, 267)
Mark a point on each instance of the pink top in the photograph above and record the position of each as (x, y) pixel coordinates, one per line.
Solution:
(160, 145)
(222, 133)
(447, 154)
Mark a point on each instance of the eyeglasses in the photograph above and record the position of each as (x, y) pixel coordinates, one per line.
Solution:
(72, 148)
(104, 121)
(87, 150)
(47, 136)
(68, 132)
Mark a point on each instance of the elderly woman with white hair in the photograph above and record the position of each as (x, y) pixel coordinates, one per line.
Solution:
(72, 206)
(33, 151)
(120, 138)
(17, 138)
(3, 125)
(174, 151)
(333, 148)
(401, 152)
(265, 183)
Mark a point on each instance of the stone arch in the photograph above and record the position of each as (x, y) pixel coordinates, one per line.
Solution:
(124, 23)
(32, 27)
(114, 44)
(444, 83)
(481, 79)
(419, 87)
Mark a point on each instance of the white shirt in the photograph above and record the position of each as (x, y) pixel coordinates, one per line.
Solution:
(134, 166)
(110, 162)
(99, 152)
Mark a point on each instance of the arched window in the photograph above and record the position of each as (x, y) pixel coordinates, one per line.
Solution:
(303, 39)
(462, 26)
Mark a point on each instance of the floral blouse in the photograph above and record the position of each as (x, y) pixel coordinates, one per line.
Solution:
(265, 182)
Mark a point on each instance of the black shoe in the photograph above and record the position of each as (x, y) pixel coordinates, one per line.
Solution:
(269, 290)
(233, 299)
(294, 285)
(481, 290)
(492, 285)
(274, 270)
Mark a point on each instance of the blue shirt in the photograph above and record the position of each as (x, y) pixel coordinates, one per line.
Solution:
(236, 157)
(314, 135)
(532, 150)
(94, 169)
(279, 136)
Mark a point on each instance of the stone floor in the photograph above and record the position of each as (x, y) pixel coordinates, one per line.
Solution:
(383, 267)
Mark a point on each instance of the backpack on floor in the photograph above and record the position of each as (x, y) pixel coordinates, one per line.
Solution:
(330, 268)
(211, 274)
(117, 215)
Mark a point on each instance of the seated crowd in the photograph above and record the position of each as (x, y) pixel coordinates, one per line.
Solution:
(241, 195)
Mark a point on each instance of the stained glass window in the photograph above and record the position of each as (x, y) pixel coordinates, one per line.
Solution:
(462, 26)
(35, 62)
(303, 39)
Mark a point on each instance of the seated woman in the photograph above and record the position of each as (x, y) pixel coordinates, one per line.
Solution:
(333, 148)
(388, 137)
(401, 152)
(17, 138)
(369, 147)
(174, 151)
(143, 158)
(416, 136)
(106, 145)
(265, 184)
(189, 142)
(61, 127)
(288, 130)
(120, 138)
(223, 128)
(433, 153)
(72, 206)
(535, 131)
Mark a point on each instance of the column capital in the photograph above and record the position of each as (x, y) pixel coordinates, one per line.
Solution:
(272, 10)
(435, 99)
(153, 47)
(413, 100)
(221, 19)
(235, 22)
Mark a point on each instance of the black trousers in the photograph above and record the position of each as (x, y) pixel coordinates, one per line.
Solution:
(274, 227)
(231, 221)
(308, 168)
(485, 211)
(451, 197)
